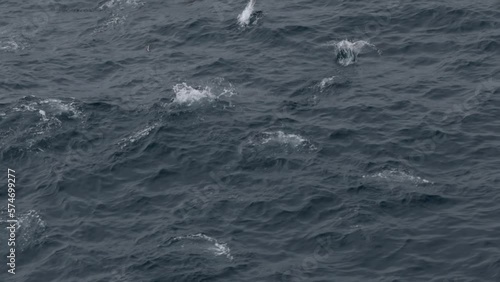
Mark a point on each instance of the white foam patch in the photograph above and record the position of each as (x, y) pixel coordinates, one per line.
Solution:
(114, 20)
(325, 82)
(49, 111)
(281, 138)
(394, 175)
(10, 45)
(29, 229)
(218, 248)
(26, 107)
(244, 17)
(187, 95)
(347, 52)
(58, 107)
(43, 114)
(53, 106)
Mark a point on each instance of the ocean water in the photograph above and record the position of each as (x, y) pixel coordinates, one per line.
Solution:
(231, 140)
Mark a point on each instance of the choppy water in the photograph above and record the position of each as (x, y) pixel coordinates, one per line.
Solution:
(269, 141)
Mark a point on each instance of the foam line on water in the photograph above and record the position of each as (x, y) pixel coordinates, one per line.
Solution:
(244, 17)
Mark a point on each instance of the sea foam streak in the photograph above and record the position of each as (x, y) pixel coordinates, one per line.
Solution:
(136, 136)
(218, 248)
(395, 175)
(326, 82)
(244, 17)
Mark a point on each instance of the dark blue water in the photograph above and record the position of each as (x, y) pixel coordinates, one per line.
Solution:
(302, 141)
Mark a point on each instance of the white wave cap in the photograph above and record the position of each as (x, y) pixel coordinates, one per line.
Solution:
(218, 248)
(187, 95)
(395, 175)
(283, 138)
(10, 45)
(50, 108)
(326, 82)
(244, 17)
(270, 138)
(347, 52)
(43, 114)
(136, 136)
(60, 107)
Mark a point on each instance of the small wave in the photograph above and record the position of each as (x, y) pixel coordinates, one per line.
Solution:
(187, 95)
(119, 10)
(59, 107)
(114, 3)
(326, 82)
(347, 52)
(110, 23)
(11, 40)
(49, 111)
(244, 17)
(54, 107)
(26, 107)
(48, 120)
(136, 136)
(394, 175)
(218, 248)
(281, 138)
(119, 275)
(29, 228)
(10, 45)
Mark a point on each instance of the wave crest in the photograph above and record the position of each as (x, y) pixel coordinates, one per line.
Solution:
(273, 138)
(347, 52)
(218, 248)
(187, 95)
(245, 16)
(394, 175)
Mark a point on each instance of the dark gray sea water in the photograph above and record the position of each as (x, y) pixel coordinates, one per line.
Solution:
(294, 140)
